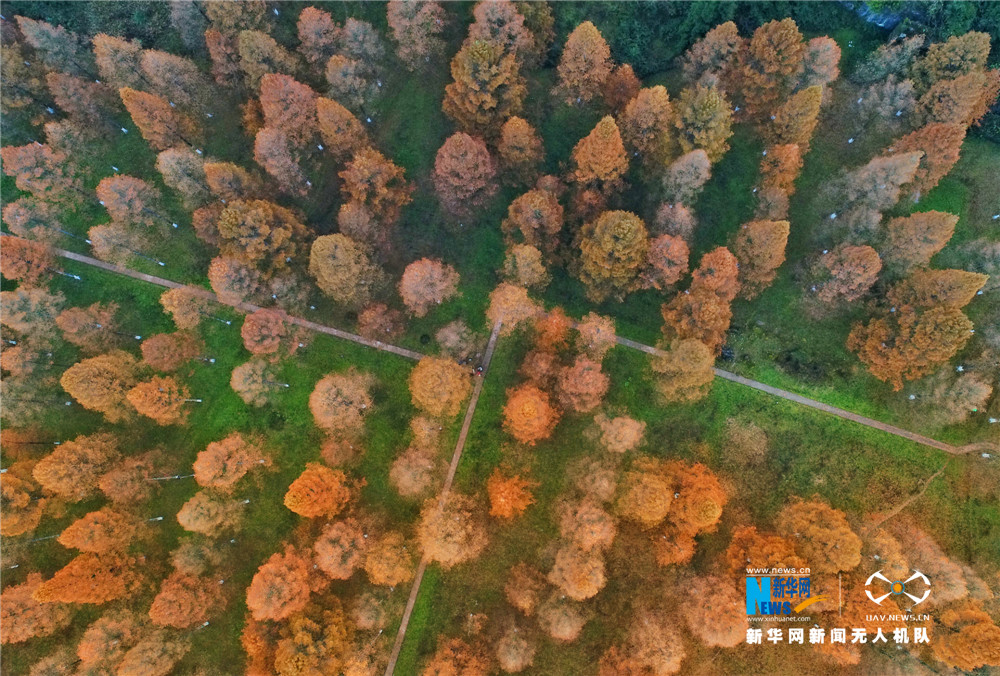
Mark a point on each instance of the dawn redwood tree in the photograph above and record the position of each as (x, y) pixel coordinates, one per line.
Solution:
(520, 150)
(578, 574)
(416, 27)
(157, 653)
(925, 288)
(34, 219)
(89, 104)
(160, 398)
(646, 127)
(878, 184)
(759, 246)
(511, 305)
(104, 530)
(178, 78)
(582, 386)
(820, 63)
(561, 618)
(377, 321)
(963, 100)
(780, 166)
(487, 88)
(846, 273)
(229, 181)
(30, 263)
(342, 133)
(699, 313)
(260, 54)
(159, 123)
(703, 117)
(274, 151)
(426, 283)
(119, 62)
(529, 415)
(500, 22)
(940, 144)
(620, 434)
(348, 83)
(90, 578)
(23, 617)
(613, 250)
(107, 639)
(464, 175)
(318, 35)
(131, 201)
(343, 270)
(389, 560)
(22, 512)
(233, 281)
(31, 311)
(223, 463)
(540, 21)
(340, 549)
(523, 265)
(684, 372)
(264, 331)
(60, 49)
(318, 491)
(913, 240)
(184, 170)
(210, 515)
(584, 65)
(289, 106)
(509, 495)
(455, 656)
(186, 307)
(971, 640)
(371, 179)
(910, 343)
(821, 535)
(769, 65)
(621, 87)
(795, 120)
(254, 381)
(666, 262)
(552, 331)
(439, 386)
(698, 498)
(260, 233)
(713, 58)
(718, 272)
(536, 217)
(587, 526)
(341, 401)
(644, 494)
(186, 600)
(72, 470)
(684, 179)
(452, 532)
(959, 55)
(599, 160)
(102, 383)
(280, 587)
(45, 172)
(514, 652)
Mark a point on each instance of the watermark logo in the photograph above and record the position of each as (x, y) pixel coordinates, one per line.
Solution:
(898, 587)
(774, 592)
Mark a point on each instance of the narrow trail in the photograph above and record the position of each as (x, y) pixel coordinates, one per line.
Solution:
(908, 501)
(445, 489)
(980, 446)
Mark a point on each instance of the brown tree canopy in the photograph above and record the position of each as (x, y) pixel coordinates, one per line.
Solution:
(682, 182)
(259, 233)
(318, 35)
(107, 639)
(98, 532)
(230, 181)
(22, 512)
(582, 386)
(389, 560)
(290, 106)
(613, 250)
(379, 322)
(644, 493)
(343, 269)
(524, 265)
(940, 144)
(587, 525)
(342, 133)
(529, 415)
(538, 217)
(318, 491)
(340, 402)
(439, 386)
(714, 56)
(913, 240)
(90, 578)
(666, 262)
(426, 283)
(698, 498)
(821, 535)
(45, 172)
(646, 126)
(455, 656)
(155, 655)
(372, 180)
(160, 398)
(340, 549)
(621, 87)
(780, 167)
(127, 482)
(232, 280)
(253, 381)
(703, 118)
(759, 246)
(33, 219)
(464, 174)
(265, 331)
(520, 150)
(186, 600)
(223, 463)
(768, 68)
(185, 306)
(159, 123)
(30, 263)
(487, 88)
(416, 28)
(717, 272)
(599, 159)
(684, 373)
(584, 65)
(451, 533)
(511, 305)
(721, 619)
(184, 170)
(102, 383)
(578, 574)
(509, 495)
(209, 515)
(846, 273)
(23, 617)
(927, 288)
(561, 618)
(909, 343)
(280, 587)
(796, 119)
(273, 149)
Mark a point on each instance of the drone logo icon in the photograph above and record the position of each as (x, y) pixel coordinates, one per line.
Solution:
(897, 587)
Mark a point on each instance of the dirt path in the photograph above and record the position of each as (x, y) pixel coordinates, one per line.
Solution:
(445, 489)
(981, 446)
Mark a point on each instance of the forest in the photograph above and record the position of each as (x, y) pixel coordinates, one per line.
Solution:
(455, 338)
